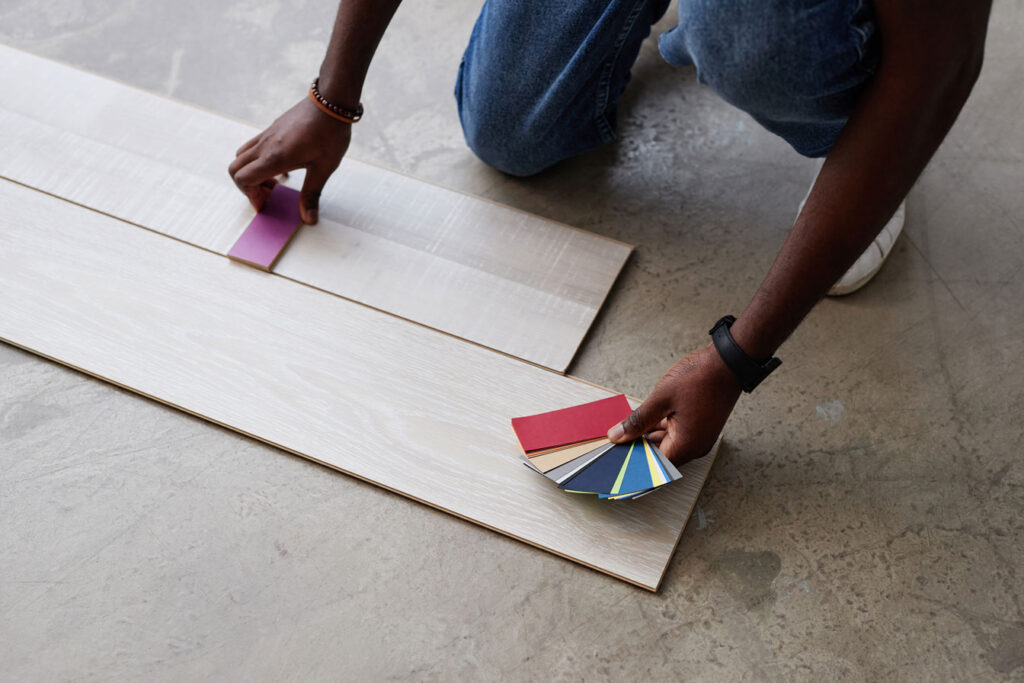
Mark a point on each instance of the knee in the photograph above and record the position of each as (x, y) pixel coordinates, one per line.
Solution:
(772, 63)
(501, 141)
(743, 67)
(507, 128)
(500, 136)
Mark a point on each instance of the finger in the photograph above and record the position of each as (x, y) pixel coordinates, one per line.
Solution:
(309, 198)
(242, 160)
(259, 194)
(260, 172)
(655, 436)
(678, 450)
(248, 145)
(641, 420)
(681, 448)
(266, 165)
(672, 445)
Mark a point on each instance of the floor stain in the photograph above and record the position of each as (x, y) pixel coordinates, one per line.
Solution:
(831, 411)
(705, 518)
(22, 418)
(755, 572)
(1004, 650)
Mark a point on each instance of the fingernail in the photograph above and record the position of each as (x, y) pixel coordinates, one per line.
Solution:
(314, 216)
(616, 432)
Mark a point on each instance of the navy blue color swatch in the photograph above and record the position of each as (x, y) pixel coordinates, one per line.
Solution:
(600, 476)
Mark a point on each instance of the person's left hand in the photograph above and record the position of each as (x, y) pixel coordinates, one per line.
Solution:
(687, 409)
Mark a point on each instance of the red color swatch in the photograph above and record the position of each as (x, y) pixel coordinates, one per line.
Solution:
(570, 425)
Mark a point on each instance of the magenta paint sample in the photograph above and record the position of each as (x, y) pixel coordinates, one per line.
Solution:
(270, 231)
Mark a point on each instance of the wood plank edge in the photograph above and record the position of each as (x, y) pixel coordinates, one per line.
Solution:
(116, 218)
(559, 369)
(251, 264)
(653, 589)
(280, 252)
(269, 268)
(600, 309)
(113, 79)
(256, 128)
(631, 399)
(689, 513)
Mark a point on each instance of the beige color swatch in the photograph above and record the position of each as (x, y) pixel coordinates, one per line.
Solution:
(550, 460)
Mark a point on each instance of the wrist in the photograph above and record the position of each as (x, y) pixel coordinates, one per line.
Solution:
(720, 374)
(749, 371)
(750, 341)
(333, 109)
(339, 89)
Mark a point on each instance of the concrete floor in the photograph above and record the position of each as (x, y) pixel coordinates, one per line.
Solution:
(863, 521)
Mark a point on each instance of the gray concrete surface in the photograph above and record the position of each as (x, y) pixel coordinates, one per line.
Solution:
(862, 523)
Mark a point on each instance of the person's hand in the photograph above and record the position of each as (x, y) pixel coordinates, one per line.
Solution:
(687, 409)
(302, 137)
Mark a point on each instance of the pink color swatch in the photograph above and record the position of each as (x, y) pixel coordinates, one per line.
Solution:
(270, 231)
(570, 425)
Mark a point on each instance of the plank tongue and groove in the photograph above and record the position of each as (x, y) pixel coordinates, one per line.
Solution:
(502, 278)
(314, 374)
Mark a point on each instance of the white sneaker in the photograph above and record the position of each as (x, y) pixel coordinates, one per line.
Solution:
(870, 262)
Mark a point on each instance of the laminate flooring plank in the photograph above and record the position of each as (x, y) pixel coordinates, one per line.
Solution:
(509, 280)
(400, 405)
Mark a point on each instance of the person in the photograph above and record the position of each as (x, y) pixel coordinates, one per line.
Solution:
(873, 86)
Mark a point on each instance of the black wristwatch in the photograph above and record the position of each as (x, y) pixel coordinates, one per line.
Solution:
(748, 371)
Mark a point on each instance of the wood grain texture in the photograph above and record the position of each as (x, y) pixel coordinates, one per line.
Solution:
(509, 280)
(315, 374)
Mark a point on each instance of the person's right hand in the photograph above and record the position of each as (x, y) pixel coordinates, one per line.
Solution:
(302, 137)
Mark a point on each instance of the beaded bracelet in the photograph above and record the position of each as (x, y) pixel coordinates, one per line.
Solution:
(333, 110)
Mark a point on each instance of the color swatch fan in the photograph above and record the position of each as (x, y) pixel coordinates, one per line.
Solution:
(570, 447)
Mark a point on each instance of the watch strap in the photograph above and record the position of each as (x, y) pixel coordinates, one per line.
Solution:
(748, 371)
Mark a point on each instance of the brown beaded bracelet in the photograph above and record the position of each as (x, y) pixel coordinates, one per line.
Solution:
(333, 110)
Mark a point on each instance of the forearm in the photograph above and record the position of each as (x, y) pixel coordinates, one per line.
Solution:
(924, 79)
(358, 28)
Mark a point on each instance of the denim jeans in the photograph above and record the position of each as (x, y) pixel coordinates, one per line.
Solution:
(541, 79)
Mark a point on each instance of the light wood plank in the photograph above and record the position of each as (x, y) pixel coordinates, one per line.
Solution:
(317, 375)
(502, 278)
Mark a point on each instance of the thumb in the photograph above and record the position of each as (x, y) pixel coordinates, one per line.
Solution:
(640, 421)
(309, 198)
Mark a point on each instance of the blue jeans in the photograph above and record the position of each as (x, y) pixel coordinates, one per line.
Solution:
(541, 79)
